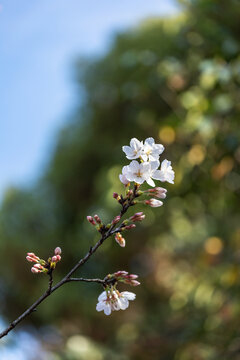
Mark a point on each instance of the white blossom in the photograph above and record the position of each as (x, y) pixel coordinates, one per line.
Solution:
(134, 150)
(113, 301)
(150, 150)
(138, 172)
(165, 173)
(122, 176)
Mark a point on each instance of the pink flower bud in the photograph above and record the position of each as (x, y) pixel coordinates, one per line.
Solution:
(97, 218)
(91, 220)
(31, 257)
(38, 266)
(120, 240)
(57, 251)
(129, 227)
(137, 217)
(34, 270)
(56, 258)
(120, 273)
(159, 192)
(115, 195)
(132, 276)
(135, 283)
(116, 219)
(154, 202)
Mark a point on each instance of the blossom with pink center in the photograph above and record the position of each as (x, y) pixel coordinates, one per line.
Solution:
(113, 300)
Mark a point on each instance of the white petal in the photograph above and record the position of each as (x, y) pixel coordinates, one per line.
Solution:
(145, 166)
(129, 295)
(133, 166)
(158, 175)
(139, 180)
(165, 164)
(159, 147)
(102, 296)
(123, 179)
(135, 143)
(123, 303)
(125, 170)
(100, 306)
(154, 165)
(150, 141)
(128, 150)
(150, 182)
(107, 309)
(144, 157)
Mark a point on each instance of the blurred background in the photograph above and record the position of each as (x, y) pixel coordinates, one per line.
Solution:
(78, 81)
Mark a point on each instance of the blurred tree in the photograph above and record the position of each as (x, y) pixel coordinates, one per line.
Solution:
(177, 80)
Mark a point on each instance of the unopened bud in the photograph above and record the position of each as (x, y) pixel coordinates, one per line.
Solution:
(91, 220)
(57, 251)
(137, 217)
(134, 283)
(31, 257)
(34, 270)
(115, 195)
(97, 218)
(116, 219)
(129, 227)
(132, 276)
(120, 273)
(154, 202)
(120, 240)
(159, 192)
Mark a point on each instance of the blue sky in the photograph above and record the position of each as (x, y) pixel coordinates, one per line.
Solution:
(39, 42)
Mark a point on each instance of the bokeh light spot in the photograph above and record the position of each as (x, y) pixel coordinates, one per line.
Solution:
(167, 134)
(213, 245)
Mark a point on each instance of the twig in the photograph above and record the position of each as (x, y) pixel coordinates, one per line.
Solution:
(126, 203)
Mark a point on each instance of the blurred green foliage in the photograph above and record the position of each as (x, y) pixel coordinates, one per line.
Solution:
(177, 80)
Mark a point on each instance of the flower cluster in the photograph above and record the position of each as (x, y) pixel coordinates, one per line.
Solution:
(113, 300)
(148, 168)
(42, 266)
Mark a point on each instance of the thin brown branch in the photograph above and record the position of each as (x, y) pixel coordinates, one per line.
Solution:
(126, 203)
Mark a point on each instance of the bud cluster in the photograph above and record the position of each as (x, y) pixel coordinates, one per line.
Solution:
(97, 222)
(126, 278)
(159, 193)
(42, 266)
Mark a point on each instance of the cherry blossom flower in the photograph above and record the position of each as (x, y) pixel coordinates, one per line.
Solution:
(165, 173)
(133, 151)
(138, 172)
(113, 300)
(150, 150)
